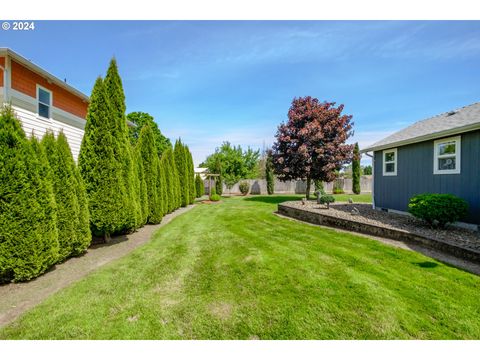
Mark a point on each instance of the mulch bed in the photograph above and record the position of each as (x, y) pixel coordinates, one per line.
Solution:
(465, 238)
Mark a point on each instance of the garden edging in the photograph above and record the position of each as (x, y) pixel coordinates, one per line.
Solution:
(370, 229)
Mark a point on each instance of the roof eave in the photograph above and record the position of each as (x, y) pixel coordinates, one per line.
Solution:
(437, 135)
(19, 58)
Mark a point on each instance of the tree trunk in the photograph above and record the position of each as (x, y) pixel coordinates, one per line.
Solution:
(309, 182)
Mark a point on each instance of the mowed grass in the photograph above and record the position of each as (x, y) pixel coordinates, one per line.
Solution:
(235, 270)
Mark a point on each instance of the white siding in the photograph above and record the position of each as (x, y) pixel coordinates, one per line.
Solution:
(71, 125)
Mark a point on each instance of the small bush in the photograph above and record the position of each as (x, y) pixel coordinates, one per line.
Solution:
(244, 187)
(338, 187)
(326, 199)
(215, 197)
(438, 209)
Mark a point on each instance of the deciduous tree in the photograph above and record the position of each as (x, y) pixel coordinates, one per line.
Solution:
(312, 143)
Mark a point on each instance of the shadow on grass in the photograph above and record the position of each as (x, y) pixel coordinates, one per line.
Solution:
(274, 199)
(426, 264)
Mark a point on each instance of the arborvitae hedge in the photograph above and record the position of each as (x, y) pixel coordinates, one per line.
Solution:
(84, 235)
(181, 164)
(28, 230)
(142, 185)
(131, 212)
(177, 198)
(170, 200)
(199, 186)
(356, 170)
(63, 180)
(100, 169)
(161, 186)
(150, 160)
(191, 175)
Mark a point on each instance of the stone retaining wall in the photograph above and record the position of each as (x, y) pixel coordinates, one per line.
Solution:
(369, 229)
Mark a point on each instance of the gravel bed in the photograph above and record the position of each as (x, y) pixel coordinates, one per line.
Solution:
(465, 238)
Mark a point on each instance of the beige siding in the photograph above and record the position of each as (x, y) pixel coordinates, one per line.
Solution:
(32, 123)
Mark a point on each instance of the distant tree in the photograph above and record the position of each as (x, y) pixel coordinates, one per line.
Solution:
(269, 175)
(356, 170)
(311, 144)
(140, 119)
(131, 211)
(148, 154)
(232, 163)
(100, 169)
(199, 186)
(367, 170)
(28, 224)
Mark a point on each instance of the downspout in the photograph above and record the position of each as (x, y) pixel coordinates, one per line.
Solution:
(373, 177)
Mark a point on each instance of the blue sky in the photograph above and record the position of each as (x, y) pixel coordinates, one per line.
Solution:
(207, 82)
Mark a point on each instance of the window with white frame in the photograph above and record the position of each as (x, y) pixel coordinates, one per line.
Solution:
(44, 102)
(390, 162)
(446, 156)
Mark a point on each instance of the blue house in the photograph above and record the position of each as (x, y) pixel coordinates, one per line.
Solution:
(436, 155)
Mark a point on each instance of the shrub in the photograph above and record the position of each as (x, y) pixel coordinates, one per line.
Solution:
(244, 187)
(214, 197)
(149, 158)
(219, 185)
(319, 188)
(326, 199)
(356, 170)
(269, 175)
(199, 186)
(182, 169)
(101, 169)
(338, 187)
(438, 209)
(28, 222)
(73, 238)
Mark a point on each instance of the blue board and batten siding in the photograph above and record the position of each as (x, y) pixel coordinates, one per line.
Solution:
(415, 176)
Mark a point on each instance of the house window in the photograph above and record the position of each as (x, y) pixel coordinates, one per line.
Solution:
(390, 162)
(446, 158)
(44, 102)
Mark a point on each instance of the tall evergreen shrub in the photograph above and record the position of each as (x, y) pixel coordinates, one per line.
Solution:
(269, 175)
(199, 186)
(182, 169)
(131, 212)
(64, 188)
(149, 158)
(28, 224)
(356, 170)
(190, 174)
(100, 169)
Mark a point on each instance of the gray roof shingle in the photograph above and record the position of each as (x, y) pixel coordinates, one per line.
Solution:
(463, 119)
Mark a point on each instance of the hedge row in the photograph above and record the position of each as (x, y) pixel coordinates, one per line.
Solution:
(50, 207)
(44, 216)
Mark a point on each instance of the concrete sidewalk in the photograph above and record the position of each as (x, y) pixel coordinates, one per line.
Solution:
(16, 298)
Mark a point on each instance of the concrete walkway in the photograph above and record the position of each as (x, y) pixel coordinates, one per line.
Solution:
(16, 298)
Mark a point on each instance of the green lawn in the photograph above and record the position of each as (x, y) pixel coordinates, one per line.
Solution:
(234, 270)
